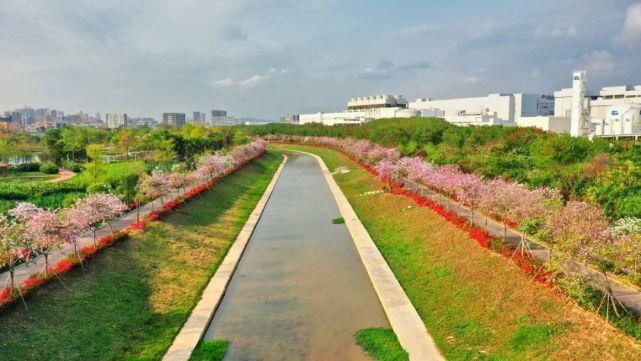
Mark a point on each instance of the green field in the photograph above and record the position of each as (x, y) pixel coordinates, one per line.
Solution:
(131, 300)
(475, 303)
(111, 173)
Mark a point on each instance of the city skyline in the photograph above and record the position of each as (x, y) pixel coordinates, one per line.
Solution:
(275, 57)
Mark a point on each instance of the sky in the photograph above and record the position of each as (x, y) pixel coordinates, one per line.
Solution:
(267, 58)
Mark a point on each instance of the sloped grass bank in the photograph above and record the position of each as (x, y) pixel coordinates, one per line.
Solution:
(475, 304)
(131, 300)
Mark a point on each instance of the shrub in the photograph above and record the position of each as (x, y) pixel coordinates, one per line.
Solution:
(48, 168)
(72, 166)
(13, 194)
(28, 167)
(98, 188)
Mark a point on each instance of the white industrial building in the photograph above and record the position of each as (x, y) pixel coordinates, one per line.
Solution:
(363, 109)
(611, 112)
(494, 109)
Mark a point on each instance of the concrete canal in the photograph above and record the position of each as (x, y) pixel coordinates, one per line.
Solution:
(300, 291)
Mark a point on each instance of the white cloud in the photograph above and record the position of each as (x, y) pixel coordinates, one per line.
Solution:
(252, 80)
(471, 80)
(599, 62)
(632, 24)
(224, 82)
(546, 32)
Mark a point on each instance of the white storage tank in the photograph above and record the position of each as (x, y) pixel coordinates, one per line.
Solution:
(622, 119)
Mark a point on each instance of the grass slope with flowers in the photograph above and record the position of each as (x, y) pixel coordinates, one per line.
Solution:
(475, 303)
(131, 299)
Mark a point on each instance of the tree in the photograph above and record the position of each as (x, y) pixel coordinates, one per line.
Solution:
(41, 228)
(14, 245)
(74, 140)
(125, 139)
(95, 166)
(164, 152)
(99, 208)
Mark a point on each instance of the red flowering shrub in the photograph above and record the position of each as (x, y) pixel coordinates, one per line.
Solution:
(31, 283)
(172, 205)
(88, 251)
(480, 236)
(152, 216)
(136, 226)
(61, 267)
(106, 241)
(5, 295)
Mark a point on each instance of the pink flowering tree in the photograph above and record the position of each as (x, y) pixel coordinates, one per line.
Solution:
(100, 208)
(41, 229)
(14, 245)
(72, 223)
(469, 190)
(155, 186)
(580, 233)
(498, 201)
(386, 170)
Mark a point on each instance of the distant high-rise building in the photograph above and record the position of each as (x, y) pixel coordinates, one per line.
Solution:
(173, 119)
(199, 116)
(98, 119)
(218, 116)
(116, 120)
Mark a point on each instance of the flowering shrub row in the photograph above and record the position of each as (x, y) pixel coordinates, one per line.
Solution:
(31, 231)
(574, 231)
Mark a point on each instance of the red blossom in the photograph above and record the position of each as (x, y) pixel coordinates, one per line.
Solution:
(5, 295)
(89, 251)
(31, 283)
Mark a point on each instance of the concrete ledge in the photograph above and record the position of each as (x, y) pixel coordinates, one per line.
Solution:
(200, 317)
(402, 315)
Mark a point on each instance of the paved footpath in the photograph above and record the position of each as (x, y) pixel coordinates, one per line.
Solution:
(25, 270)
(629, 295)
(63, 175)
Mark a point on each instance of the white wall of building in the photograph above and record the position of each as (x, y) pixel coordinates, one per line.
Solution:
(357, 117)
(547, 123)
(499, 107)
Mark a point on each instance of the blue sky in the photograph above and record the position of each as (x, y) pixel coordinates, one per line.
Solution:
(266, 58)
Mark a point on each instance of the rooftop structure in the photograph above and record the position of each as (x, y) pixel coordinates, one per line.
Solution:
(376, 101)
(363, 109)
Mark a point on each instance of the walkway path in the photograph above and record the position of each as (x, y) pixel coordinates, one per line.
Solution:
(629, 295)
(63, 175)
(300, 291)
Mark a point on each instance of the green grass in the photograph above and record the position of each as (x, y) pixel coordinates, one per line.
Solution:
(475, 304)
(131, 300)
(381, 344)
(210, 350)
(338, 220)
(111, 173)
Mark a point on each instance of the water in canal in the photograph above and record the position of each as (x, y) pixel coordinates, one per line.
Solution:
(300, 291)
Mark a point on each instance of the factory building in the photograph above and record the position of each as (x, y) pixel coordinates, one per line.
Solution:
(611, 112)
(363, 109)
(494, 109)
